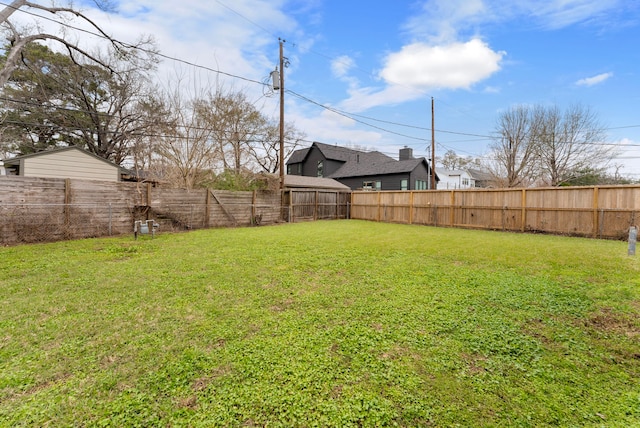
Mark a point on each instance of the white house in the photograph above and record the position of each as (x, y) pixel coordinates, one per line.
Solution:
(454, 179)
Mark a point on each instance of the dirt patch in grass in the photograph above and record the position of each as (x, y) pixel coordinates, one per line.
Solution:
(474, 363)
(608, 321)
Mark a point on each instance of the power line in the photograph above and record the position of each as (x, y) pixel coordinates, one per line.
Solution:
(142, 49)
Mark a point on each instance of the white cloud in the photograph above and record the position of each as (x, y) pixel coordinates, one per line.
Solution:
(232, 37)
(562, 13)
(329, 127)
(419, 67)
(449, 20)
(340, 66)
(452, 66)
(441, 20)
(590, 81)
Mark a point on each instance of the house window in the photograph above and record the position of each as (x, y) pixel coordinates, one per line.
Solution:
(403, 184)
(320, 168)
(372, 185)
(421, 185)
(465, 182)
(295, 169)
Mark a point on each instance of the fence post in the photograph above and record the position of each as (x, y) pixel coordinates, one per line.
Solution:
(148, 203)
(67, 208)
(411, 207)
(595, 212)
(291, 212)
(452, 214)
(207, 208)
(524, 211)
(110, 211)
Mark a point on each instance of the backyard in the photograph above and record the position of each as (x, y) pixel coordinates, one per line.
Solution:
(329, 323)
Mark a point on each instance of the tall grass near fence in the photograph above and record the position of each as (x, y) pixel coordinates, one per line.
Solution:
(341, 323)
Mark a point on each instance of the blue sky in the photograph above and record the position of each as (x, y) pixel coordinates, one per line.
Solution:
(385, 60)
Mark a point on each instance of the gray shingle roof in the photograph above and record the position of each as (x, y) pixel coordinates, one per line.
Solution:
(359, 163)
(341, 154)
(298, 156)
(360, 169)
(480, 175)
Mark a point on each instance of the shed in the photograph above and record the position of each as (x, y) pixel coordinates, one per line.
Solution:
(68, 162)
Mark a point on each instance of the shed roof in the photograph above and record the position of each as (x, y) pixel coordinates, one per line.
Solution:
(300, 181)
(16, 160)
(479, 174)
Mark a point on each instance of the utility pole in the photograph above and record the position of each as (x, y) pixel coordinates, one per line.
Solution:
(281, 160)
(433, 145)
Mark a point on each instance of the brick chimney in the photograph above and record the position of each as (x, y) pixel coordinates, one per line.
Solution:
(406, 153)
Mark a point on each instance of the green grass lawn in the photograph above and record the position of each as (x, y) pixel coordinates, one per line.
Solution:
(339, 323)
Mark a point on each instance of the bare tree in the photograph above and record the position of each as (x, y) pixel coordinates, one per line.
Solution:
(513, 148)
(236, 124)
(265, 151)
(569, 143)
(186, 145)
(548, 146)
(451, 160)
(17, 41)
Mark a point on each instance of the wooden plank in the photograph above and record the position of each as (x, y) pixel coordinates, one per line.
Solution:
(224, 209)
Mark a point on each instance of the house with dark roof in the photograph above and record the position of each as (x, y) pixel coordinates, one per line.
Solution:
(361, 170)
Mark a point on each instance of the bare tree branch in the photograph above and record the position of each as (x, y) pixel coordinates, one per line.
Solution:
(17, 42)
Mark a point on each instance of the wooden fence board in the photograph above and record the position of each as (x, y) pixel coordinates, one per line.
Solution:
(603, 212)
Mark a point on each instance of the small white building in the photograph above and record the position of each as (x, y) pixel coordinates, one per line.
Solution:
(68, 162)
(454, 179)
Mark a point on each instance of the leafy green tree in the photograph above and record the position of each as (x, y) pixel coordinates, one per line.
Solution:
(52, 101)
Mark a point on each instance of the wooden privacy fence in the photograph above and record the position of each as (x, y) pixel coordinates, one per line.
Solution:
(600, 212)
(44, 209)
(315, 204)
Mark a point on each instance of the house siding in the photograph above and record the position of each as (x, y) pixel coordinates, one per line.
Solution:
(450, 179)
(420, 173)
(69, 164)
(310, 166)
(388, 182)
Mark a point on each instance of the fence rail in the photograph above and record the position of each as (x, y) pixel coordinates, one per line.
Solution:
(599, 212)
